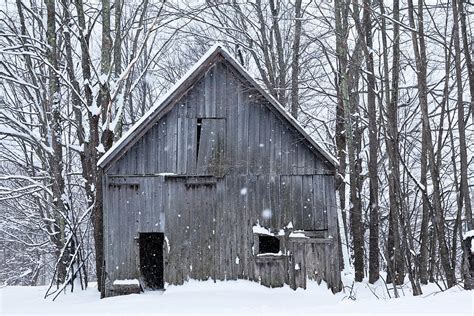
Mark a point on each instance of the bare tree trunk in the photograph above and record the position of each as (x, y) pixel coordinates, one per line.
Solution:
(374, 267)
(395, 266)
(341, 154)
(281, 83)
(89, 155)
(56, 156)
(295, 67)
(407, 241)
(342, 98)
(118, 4)
(468, 48)
(355, 168)
(464, 185)
(433, 259)
(394, 243)
(421, 65)
(459, 197)
(349, 93)
(268, 77)
(425, 218)
(96, 139)
(354, 134)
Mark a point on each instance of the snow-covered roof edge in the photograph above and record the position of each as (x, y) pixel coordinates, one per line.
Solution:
(190, 73)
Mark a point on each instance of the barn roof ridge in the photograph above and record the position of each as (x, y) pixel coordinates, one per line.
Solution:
(192, 72)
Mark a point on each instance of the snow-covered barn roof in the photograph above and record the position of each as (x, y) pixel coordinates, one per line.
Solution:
(201, 66)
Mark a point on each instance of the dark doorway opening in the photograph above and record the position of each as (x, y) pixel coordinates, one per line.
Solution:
(151, 259)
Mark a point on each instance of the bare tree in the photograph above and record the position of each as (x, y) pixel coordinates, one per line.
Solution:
(419, 47)
(295, 64)
(374, 267)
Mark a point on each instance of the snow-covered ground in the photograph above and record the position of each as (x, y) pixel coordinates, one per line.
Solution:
(240, 298)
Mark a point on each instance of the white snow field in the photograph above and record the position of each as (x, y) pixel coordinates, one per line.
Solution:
(240, 298)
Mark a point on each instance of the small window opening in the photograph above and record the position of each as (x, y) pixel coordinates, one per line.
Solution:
(268, 244)
(198, 133)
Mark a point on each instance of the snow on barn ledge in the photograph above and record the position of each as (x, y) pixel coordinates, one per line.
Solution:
(216, 157)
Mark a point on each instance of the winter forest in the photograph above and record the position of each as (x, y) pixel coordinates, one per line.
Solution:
(386, 86)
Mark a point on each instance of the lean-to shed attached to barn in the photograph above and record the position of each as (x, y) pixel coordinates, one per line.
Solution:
(217, 181)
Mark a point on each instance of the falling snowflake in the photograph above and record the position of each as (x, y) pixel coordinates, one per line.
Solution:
(267, 213)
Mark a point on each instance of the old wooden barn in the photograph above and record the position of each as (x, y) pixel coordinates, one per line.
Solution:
(218, 182)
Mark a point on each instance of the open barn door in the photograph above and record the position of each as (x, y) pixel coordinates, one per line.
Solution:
(151, 259)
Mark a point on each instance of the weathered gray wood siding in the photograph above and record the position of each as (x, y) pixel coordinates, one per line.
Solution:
(248, 159)
(239, 134)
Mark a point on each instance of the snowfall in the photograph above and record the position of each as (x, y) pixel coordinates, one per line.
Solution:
(242, 298)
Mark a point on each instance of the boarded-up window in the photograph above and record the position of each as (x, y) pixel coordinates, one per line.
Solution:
(210, 146)
(201, 146)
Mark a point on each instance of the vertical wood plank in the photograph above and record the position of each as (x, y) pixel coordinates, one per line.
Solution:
(264, 144)
(221, 79)
(200, 99)
(234, 131)
(319, 202)
(285, 200)
(242, 161)
(275, 205)
(254, 137)
(308, 203)
(171, 141)
(210, 93)
(296, 201)
(182, 144)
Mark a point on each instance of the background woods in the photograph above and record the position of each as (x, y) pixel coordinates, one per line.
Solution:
(387, 85)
